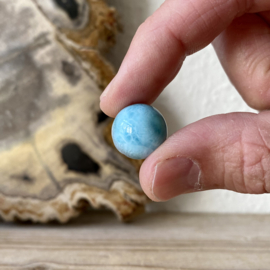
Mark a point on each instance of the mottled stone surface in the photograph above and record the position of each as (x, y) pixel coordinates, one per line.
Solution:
(55, 159)
(138, 130)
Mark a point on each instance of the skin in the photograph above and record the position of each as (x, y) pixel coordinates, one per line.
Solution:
(231, 150)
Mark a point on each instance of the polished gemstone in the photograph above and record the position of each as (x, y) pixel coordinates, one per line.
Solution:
(138, 130)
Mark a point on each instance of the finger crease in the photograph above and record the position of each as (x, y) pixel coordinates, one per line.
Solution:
(179, 40)
(243, 163)
(263, 170)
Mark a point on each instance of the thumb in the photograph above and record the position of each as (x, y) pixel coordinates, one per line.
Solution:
(228, 151)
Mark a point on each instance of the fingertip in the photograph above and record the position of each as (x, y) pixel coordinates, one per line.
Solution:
(258, 97)
(147, 173)
(256, 91)
(107, 103)
(106, 109)
(259, 104)
(244, 53)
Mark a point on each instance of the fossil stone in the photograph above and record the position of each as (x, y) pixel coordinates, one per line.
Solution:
(56, 154)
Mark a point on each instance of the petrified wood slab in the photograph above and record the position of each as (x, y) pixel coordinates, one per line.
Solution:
(55, 155)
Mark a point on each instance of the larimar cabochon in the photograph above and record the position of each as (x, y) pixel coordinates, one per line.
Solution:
(138, 130)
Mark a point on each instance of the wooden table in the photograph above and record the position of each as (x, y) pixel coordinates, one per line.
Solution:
(154, 241)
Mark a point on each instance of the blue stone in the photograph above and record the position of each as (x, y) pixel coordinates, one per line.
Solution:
(138, 130)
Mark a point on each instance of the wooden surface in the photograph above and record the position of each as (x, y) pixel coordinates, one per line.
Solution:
(154, 241)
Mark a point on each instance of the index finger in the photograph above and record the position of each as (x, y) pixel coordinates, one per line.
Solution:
(178, 28)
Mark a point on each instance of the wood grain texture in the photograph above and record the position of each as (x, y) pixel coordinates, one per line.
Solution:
(155, 241)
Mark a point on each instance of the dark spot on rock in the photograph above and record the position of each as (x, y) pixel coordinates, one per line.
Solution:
(25, 177)
(71, 72)
(71, 7)
(77, 160)
(101, 117)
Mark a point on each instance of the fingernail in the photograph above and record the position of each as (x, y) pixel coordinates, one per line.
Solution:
(175, 176)
(106, 91)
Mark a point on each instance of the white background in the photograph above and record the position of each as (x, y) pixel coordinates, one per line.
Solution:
(201, 89)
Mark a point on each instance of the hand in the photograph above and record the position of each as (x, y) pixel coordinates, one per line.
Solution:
(220, 152)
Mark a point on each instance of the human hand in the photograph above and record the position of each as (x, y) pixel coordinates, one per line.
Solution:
(230, 151)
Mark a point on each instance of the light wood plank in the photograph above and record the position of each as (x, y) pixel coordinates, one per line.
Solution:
(155, 241)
